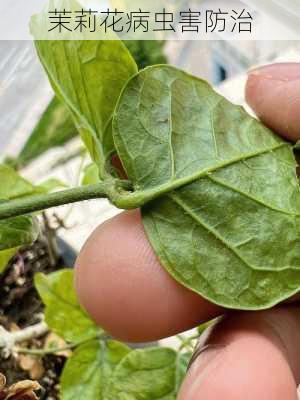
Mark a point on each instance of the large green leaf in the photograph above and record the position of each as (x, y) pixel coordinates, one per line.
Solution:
(88, 371)
(54, 129)
(63, 313)
(88, 76)
(226, 219)
(145, 375)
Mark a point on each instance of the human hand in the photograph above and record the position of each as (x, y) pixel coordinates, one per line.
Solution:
(254, 355)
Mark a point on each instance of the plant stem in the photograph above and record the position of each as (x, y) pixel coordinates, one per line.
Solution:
(55, 350)
(27, 205)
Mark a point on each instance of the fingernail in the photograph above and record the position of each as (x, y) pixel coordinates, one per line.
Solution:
(284, 72)
(204, 354)
(202, 364)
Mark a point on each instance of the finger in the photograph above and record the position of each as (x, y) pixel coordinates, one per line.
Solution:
(124, 288)
(248, 356)
(274, 94)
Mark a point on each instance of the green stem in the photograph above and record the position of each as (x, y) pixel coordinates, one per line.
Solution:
(55, 350)
(30, 204)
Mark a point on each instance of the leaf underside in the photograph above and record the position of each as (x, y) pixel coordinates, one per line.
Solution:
(229, 226)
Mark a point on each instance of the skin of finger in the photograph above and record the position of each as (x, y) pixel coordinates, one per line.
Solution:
(259, 359)
(273, 92)
(126, 291)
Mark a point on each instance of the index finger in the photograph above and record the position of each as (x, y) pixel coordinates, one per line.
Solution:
(124, 288)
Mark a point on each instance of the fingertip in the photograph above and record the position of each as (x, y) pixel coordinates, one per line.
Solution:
(126, 291)
(273, 92)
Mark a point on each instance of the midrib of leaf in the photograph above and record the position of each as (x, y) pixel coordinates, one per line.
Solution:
(189, 211)
(87, 103)
(247, 195)
(211, 114)
(172, 155)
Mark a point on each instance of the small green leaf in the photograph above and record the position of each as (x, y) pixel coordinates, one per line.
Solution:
(15, 232)
(88, 76)
(12, 184)
(54, 129)
(145, 375)
(88, 371)
(225, 222)
(91, 175)
(63, 313)
(6, 256)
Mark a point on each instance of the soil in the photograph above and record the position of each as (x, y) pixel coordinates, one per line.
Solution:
(20, 306)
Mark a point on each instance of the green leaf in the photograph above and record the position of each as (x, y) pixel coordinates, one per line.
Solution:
(12, 184)
(15, 232)
(90, 175)
(88, 371)
(88, 76)
(63, 313)
(145, 375)
(54, 129)
(225, 222)
(6, 256)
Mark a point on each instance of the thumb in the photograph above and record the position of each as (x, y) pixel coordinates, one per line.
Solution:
(273, 92)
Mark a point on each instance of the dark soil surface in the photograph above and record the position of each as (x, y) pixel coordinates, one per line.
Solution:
(20, 306)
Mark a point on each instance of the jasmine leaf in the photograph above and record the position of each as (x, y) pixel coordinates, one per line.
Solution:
(88, 371)
(15, 232)
(88, 81)
(63, 313)
(145, 374)
(225, 222)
